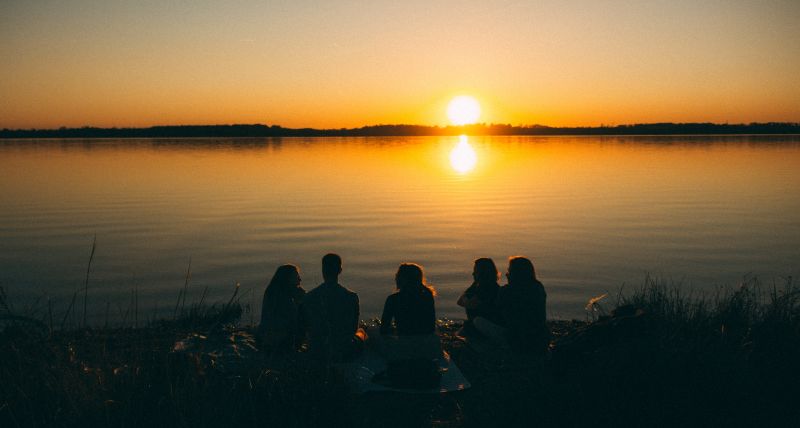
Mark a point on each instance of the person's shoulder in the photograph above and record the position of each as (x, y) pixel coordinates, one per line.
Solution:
(298, 294)
(392, 297)
(352, 295)
(313, 293)
(341, 289)
(539, 287)
(503, 292)
(349, 291)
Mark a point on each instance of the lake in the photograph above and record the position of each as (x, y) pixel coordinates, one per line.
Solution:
(593, 213)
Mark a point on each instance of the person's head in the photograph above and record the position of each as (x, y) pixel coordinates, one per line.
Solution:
(331, 267)
(520, 270)
(485, 271)
(410, 277)
(286, 278)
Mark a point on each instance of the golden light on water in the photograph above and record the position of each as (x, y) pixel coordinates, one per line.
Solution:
(463, 110)
(463, 157)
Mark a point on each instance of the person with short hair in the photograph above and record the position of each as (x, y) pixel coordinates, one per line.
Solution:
(332, 315)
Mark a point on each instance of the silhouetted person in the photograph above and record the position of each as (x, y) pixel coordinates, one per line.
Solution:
(281, 328)
(332, 314)
(408, 323)
(479, 298)
(411, 306)
(522, 303)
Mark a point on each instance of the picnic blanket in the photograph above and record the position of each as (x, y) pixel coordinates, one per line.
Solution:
(359, 375)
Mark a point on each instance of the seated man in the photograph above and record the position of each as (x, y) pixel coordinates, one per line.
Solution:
(332, 314)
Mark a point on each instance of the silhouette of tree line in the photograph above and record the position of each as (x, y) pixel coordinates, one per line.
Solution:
(259, 130)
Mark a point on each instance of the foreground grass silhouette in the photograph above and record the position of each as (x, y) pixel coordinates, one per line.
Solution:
(665, 358)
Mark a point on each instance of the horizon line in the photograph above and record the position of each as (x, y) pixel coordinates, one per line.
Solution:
(480, 129)
(410, 125)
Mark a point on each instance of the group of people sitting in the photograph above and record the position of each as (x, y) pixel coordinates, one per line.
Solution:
(327, 317)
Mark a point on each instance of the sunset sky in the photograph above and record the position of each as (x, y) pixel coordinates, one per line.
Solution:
(352, 63)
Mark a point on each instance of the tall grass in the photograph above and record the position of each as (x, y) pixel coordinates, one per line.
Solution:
(728, 357)
(745, 317)
(127, 377)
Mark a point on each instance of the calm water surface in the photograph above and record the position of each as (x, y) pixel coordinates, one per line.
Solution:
(593, 213)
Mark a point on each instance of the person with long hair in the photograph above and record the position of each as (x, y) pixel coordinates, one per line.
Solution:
(408, 323)
(281, 327)
(479, 298)
(410, 309)
(522, 302)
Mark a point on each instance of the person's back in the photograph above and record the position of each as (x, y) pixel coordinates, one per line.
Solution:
(408, 323)
(479, 300)
(523, 305)
(281, 327)
(332, 314)
(413, 312)
(281, 317)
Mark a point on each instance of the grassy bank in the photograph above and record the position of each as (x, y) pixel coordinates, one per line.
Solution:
(664, 357)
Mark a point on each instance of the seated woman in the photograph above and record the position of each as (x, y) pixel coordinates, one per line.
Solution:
(523, 305)
(479, 298)
(281, 328)
(408, 324)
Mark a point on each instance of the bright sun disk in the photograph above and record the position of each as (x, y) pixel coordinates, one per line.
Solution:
(463, 110)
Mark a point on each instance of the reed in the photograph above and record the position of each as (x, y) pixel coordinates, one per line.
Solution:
(181, 302)
(86, 282)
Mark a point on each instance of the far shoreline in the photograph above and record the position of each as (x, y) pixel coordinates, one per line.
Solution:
(275, 131)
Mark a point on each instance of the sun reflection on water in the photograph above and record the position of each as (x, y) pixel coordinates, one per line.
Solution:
(463, 157)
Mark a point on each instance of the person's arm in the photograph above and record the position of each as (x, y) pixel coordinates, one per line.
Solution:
(431, 315)
(302, 319)
(357, 313)
(263, 324)
(541, 306)
(470, 299)
(501, 306)
(466, 297)
(475, 303)
(388, 315)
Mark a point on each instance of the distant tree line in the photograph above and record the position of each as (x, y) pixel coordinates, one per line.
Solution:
(402, 130)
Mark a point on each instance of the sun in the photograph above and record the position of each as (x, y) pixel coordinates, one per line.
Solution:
(463, 110)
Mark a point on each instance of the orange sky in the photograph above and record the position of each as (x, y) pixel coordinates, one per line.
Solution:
(351, 63)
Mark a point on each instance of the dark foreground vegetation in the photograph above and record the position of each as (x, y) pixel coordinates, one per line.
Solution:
(662, 357)
(258, 130)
